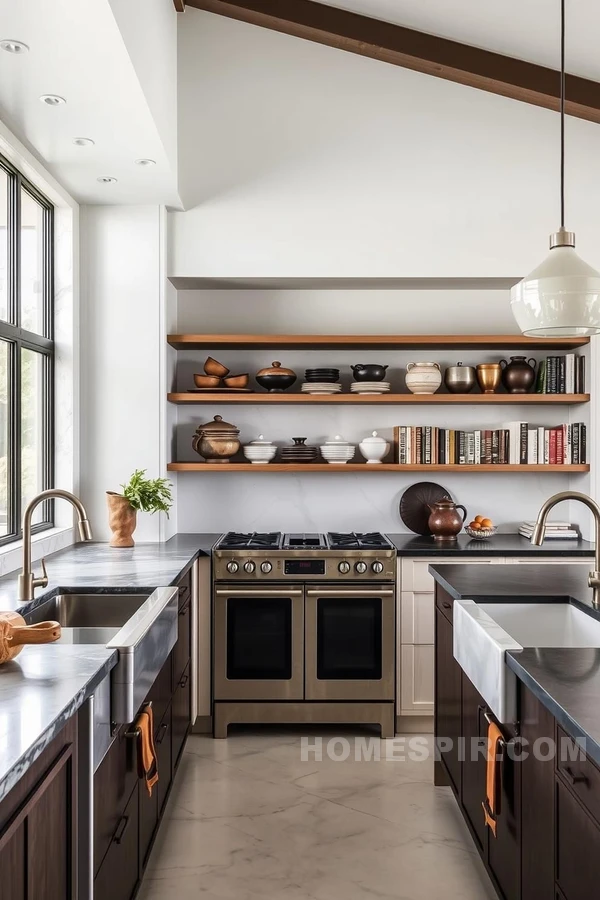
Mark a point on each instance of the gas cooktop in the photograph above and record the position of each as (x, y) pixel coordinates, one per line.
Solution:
(333, 540)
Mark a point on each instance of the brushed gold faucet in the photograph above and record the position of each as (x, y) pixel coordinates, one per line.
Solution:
(540, 530)
(28, 582)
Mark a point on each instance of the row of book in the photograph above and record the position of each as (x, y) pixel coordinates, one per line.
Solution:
(557, 531)
(516, 443)
(561, 375)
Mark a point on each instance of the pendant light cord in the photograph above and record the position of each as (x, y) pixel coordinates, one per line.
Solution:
(562, 113)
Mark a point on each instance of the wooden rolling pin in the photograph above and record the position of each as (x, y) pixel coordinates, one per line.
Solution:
(14, 634)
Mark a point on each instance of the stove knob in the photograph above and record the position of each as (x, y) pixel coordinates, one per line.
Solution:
(377, 567)
(232, 567)
(266, 567)
(249, 567)
(361, 567)
(344, 567)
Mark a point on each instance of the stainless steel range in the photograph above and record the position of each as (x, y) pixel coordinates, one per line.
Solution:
(304, 629)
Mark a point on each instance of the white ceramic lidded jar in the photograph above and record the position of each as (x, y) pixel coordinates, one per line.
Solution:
(260, 452)
(374, 448)
(423, 377)
(337, 451)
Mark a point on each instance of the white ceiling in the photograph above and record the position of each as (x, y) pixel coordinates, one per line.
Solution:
(526, 29)
(78, 51)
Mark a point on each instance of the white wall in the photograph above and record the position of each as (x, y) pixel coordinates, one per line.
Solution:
(224, 501)
(122, 345)
(296, 159)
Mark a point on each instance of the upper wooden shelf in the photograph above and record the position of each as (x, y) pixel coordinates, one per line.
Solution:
(254, 283)
(371, 341)
(363, 467)
(262, 397)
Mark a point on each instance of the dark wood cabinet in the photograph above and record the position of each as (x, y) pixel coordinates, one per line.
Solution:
(126, 817)
(577, 842)
(474, 731)
(537, 802)
(181, 713)
(38, 825)
(114, 782)
(448, 677)
(119, 873)
(504, 850)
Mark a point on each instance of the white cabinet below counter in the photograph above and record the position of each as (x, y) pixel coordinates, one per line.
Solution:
(415, 611)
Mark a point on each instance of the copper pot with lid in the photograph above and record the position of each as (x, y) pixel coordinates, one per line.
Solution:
(276, 377)
(216, 441)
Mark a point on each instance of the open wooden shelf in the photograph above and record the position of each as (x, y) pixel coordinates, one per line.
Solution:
(262, 397)
(371, 341)
(363, 467)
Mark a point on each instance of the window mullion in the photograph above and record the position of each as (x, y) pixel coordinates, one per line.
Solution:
(15, 438)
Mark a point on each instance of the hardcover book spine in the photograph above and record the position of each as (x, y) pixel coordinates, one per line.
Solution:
(523, 444)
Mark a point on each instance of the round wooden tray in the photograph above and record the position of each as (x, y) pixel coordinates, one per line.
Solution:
(414, 508)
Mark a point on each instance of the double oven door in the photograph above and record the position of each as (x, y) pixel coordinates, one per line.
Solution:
(304, 642)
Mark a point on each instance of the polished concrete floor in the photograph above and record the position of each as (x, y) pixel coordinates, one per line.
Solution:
(248, 819)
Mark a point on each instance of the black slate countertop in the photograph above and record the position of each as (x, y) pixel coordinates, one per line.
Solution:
(565, 680)
(499, 545)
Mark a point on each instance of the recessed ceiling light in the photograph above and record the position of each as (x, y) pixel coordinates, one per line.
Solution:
(52, 99)
(106, 179)
(83, 142)
(145, 162)
(14, 46)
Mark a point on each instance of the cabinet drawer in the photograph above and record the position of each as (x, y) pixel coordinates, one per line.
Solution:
(417, 678)
(114, 782)
(182, 649)
(577, 837)
(415, 575)
(163, 754)
(581, 775)
(417, 617)
(181, 714)
(118, 874)
(185, 588)
(444, 603)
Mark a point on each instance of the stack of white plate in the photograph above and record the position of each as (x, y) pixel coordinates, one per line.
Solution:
(370, 387)
(337, 451)
(315, 387)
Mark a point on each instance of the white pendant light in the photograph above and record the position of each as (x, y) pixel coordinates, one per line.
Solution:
(561, 297)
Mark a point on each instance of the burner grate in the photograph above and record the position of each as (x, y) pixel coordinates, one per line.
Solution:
(352, 540)
(234, 540)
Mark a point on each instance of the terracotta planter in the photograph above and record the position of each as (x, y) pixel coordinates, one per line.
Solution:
(122, 519)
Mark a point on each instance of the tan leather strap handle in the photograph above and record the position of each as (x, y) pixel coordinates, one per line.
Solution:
(44, 633)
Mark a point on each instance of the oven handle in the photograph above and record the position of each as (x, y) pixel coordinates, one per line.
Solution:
(344, 593)
(258, 592)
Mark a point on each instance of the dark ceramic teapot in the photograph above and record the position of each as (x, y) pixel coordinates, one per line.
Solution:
(370, 372)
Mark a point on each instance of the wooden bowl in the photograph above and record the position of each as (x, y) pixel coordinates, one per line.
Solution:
(207, 381)
(212, 367)
(236, 381)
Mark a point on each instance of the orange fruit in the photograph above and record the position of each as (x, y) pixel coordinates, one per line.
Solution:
(487, 523)
(479, 519)
(475, 526)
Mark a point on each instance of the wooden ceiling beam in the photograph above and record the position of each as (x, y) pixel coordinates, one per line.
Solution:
(179, 5)
(415, 50)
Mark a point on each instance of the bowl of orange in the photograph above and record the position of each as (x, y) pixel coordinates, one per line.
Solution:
(481, 528)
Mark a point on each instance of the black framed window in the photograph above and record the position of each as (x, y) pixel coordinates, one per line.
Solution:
(26, 352)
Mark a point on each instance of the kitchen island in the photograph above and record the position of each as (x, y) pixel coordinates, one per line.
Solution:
(547, 794)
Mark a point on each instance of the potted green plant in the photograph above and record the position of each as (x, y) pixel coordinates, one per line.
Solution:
(139, 493)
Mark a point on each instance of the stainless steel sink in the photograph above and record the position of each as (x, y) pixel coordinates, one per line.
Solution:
(142, 628)
(88, 610)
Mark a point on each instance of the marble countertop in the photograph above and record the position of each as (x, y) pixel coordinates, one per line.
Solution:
(565, 680)
(45, 685)
(39, 691)
(498, 545)
(99, 567)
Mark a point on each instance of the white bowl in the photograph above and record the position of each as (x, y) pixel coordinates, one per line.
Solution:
(260, 455)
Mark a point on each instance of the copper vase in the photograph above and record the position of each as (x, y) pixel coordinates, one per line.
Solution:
(488, 376)
(122, 519)
(445, 522)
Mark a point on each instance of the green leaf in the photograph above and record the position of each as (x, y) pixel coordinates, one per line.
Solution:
(148, 494)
